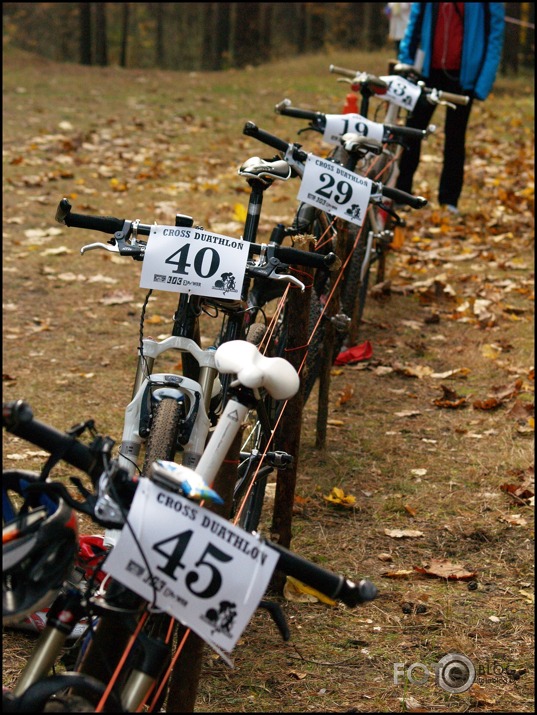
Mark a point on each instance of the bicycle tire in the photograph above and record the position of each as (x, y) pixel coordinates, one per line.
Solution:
(354, 288)
(162, 439)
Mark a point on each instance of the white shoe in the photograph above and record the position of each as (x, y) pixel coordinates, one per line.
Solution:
(451, 209)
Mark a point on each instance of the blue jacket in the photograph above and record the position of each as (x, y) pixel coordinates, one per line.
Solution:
(484, 24)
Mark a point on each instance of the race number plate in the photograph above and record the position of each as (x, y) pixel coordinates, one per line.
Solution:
(339, 124)
(189, 260)
(336, 190)
(202, 570)
(402, 92)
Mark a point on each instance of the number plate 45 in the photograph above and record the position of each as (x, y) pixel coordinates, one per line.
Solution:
(201, 569)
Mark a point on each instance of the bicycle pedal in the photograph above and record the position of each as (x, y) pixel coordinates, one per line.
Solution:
(341, 322)
(279, 459)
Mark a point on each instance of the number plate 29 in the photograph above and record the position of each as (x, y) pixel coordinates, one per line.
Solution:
(336, 190)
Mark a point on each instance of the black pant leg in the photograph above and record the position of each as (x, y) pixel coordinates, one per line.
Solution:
(452, 176)
(419, 119)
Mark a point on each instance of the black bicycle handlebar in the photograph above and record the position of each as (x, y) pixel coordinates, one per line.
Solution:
(401, 197)
(105, 224)
(297, 257)
(18, 418)
(410, 74)
(283, 254)
(252, 130)
(331, 584)
(391, 133)
(308, 114)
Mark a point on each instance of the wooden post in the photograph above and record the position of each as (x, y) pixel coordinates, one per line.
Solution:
(289, 429)
(328, 352)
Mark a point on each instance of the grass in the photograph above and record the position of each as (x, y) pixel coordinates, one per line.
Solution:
(174, 141)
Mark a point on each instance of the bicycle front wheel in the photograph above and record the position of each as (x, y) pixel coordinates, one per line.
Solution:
(162, 440)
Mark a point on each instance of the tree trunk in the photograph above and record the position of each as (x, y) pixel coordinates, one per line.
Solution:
(85, 32)
(511, 43)
(101, 44)
(124, 34)
(159, 35)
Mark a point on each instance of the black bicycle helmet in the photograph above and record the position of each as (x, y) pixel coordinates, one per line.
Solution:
(39, 545)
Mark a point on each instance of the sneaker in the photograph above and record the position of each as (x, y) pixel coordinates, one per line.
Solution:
(451, 209)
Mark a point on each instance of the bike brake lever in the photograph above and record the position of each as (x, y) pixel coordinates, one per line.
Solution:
(105, 246)
(288, 279)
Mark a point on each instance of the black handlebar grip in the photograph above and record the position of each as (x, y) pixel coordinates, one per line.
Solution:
(332, 585)
(343, 71)
(401, 197)
(295, 256)
(302, 113)
(105, 224)
(461, 99)
(252, 130)
(404, 132)
(18, 419)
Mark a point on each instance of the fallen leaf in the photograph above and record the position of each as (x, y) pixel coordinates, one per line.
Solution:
(27, 453)
(155, 320)
(295, 674)
(345, 395)
(385, 557)
(460, 372)
(489, 404)
(419, 371)
(528, 595)
(403, 533)
(295, 590)
(400, 573)
(239, 213)
(443, 568)
(491, 351)
(337, 496)
(450, 399)
(480, 695)
(60, 251)
(514, 519)
(117, 298)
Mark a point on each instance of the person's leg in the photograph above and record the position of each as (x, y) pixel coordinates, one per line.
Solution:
(452, 176)
(420, 119)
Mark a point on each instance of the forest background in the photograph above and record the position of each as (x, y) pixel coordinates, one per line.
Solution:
(215, 36)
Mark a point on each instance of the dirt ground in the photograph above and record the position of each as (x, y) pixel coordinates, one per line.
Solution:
(430, 440)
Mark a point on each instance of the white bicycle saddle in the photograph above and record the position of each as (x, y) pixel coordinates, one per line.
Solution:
(276, 375)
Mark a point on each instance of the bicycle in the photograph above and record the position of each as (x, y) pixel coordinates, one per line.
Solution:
(173, 414)
(121, 667)
(397, 92)
(332, 233)
(372, 240)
